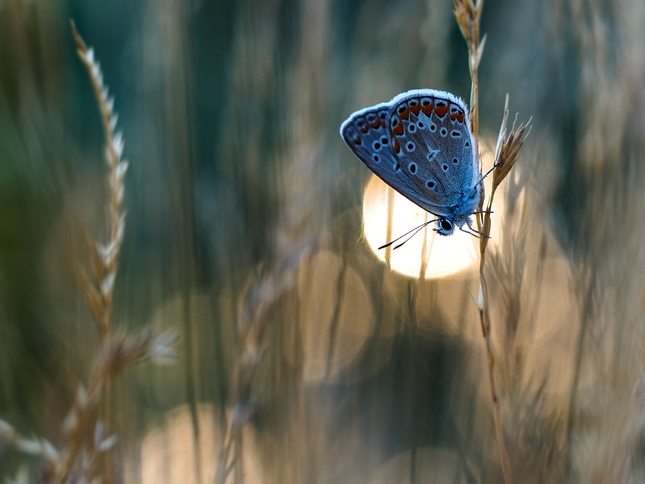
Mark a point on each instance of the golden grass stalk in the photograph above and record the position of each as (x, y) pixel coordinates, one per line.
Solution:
(468, 15)
(86, 432)
(506, 152)
(105, 257)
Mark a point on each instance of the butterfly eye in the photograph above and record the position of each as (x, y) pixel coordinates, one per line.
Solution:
(455, 161)
(445, 224)
(410, 146)
(413, 168)
(455, 134)
(443, 132)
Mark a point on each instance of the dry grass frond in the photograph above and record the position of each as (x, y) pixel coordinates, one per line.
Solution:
(86, 427)
(260, 294)
(507, 147)
(506, 155)
(105, 256)
(468, 15)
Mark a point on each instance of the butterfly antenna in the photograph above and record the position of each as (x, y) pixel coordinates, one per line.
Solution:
(490, 171)
(415, 230)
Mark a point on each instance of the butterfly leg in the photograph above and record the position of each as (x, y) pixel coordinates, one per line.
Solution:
(469, 233)
(474, 230)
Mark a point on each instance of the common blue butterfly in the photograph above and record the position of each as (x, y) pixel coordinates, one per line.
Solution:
(420, 143)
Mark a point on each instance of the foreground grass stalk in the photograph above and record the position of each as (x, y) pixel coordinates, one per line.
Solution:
(468, 16)
(106, 256)
(86, 439)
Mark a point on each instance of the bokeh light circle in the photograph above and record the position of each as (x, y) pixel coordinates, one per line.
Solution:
(426, 254)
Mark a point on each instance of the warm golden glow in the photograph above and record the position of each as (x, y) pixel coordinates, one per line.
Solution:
(439, 255)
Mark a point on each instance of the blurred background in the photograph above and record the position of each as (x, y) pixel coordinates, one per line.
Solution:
(305, 358)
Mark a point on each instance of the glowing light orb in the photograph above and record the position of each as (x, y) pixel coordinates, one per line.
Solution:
(427, 254)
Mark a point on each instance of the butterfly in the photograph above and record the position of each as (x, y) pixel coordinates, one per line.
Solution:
(420, 143)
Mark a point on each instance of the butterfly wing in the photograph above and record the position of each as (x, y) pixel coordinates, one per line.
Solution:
(434, 145)
(367, 134)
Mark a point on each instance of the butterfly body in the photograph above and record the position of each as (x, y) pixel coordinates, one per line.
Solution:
(420, 143)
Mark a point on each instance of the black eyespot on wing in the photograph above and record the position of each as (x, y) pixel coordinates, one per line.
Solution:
(412, 128)
(433, 128)
(455, 160)
(410, 146)
(376, 158)
(384, 141)
(395, 122)
(467, 144)
(430, 184)
(401, 108)
(413, 168)
(376, 145)
(444, 167)
(443, 132)
(421, 125)
(455, 133)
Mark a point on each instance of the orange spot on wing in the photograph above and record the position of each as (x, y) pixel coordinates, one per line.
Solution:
(397, 146)
(458, 116)
(375, 124)
(441, 110)
(398, 130)
(415, 109)
(405, 114)
(383, 123)
(357, 141)
(427, 110)
(365, 129)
